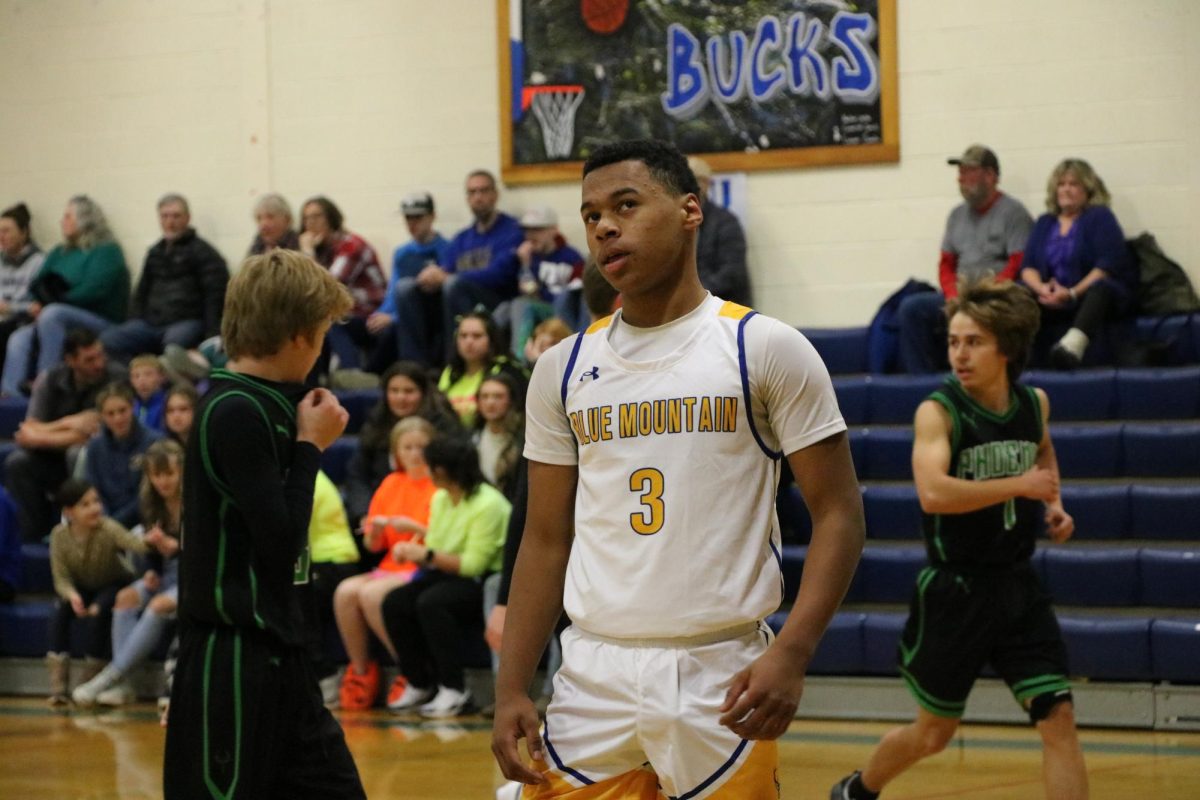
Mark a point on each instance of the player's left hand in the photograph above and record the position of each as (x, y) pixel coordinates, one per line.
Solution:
(1059, 524)
(762, 700)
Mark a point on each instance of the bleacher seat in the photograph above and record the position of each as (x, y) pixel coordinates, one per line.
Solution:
(1160, 450)
(1084, 395)
(792, 557)
(892, 512)
(887, 574)
(883, 453)
(337, 456)
(881, 634)
(35, 569)
(844, 350)
(794, 519)
(893, 399)
(5, 449)
(841, 649)
(1087, 451)
(1165, 512)
(1180, 332)
(1158, 393)
(25, 629)
(1082, 576)
(12, 412)
(1100, 512)
(358, 402)
(1108, 648)
(852, 397)
(1175, 650)
(1170, 577)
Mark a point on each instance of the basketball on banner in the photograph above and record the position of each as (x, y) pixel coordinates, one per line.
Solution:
(604, 16)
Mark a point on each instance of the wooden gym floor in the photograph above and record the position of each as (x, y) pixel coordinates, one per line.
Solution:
(118, 754)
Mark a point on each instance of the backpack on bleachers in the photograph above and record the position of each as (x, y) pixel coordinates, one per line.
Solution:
(1163, 286)
(883, 337)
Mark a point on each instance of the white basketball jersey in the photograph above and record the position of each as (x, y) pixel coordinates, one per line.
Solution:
(675, 526)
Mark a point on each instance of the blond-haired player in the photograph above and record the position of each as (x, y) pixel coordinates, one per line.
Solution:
(654, 442)
(247, 719)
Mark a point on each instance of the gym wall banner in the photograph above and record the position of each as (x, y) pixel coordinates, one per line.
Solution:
(760, 84)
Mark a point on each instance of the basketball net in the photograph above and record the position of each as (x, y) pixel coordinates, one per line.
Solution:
(554, 107)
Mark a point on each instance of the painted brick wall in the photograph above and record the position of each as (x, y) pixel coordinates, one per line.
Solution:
(364, 100)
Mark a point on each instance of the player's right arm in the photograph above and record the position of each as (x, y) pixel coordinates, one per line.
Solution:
(536, 592)
(534, 606)
(940, 493)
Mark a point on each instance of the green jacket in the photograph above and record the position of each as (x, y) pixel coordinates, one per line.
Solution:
(98, 278)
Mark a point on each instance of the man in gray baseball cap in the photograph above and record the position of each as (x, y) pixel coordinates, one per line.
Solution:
(985, 235)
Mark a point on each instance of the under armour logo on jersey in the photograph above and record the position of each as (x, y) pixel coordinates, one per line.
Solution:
(593, 373)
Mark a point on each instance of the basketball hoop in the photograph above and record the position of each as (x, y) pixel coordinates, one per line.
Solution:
(554, 107)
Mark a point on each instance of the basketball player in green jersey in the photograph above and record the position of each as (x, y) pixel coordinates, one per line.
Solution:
(987, 479)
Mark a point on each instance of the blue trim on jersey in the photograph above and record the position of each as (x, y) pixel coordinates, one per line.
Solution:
(709, 780)
(558, 761)
(745, 370)
(778, 563)
(566, 381)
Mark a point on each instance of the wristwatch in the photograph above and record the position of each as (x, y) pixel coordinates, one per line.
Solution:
(429, 554)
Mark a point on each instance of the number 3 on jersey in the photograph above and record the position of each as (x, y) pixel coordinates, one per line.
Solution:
(647, 482)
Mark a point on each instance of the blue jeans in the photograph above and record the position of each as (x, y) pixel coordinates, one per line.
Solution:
(50, 330)
(136, 336)
(922, 324)
(421, 316)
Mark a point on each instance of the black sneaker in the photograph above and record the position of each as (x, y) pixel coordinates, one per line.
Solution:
(841, 789)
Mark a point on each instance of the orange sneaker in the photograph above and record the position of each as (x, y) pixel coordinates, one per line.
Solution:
(358, 691)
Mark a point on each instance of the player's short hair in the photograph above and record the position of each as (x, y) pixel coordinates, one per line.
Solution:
(412, 424)
(275, 297)
(146, 360)
(114, 389)
(1005, 308)
(667, 165)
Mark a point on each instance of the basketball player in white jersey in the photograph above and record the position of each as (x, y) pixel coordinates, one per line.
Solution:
(654, 442)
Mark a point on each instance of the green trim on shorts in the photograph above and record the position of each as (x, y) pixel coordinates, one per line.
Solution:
(923, 578)
(939, 708)
(213, 790)
(1041, 684)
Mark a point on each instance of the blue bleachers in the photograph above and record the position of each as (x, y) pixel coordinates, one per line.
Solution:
(892, 512)
(887, 574)
(1085, 395)
(1108, 648)
(893, 399)
(1153, 450)
(336, 457)
(1175, 650)
(1081, 576)
(1158, 393)
(1100, 512)
(358, 402)
(844, 350)
(12, 412)
(1170, 577)
(853, 398)
(1087, 451)
(1165, 512)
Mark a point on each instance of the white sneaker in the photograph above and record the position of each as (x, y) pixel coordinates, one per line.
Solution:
(86, 694)
(330, 689)
(411, 697)
(119, 694)
(448, 703)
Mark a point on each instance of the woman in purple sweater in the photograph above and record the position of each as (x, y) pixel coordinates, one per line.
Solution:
(1077, 264)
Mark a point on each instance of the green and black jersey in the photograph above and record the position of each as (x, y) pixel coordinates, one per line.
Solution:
(986, 445)
(248, 490)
